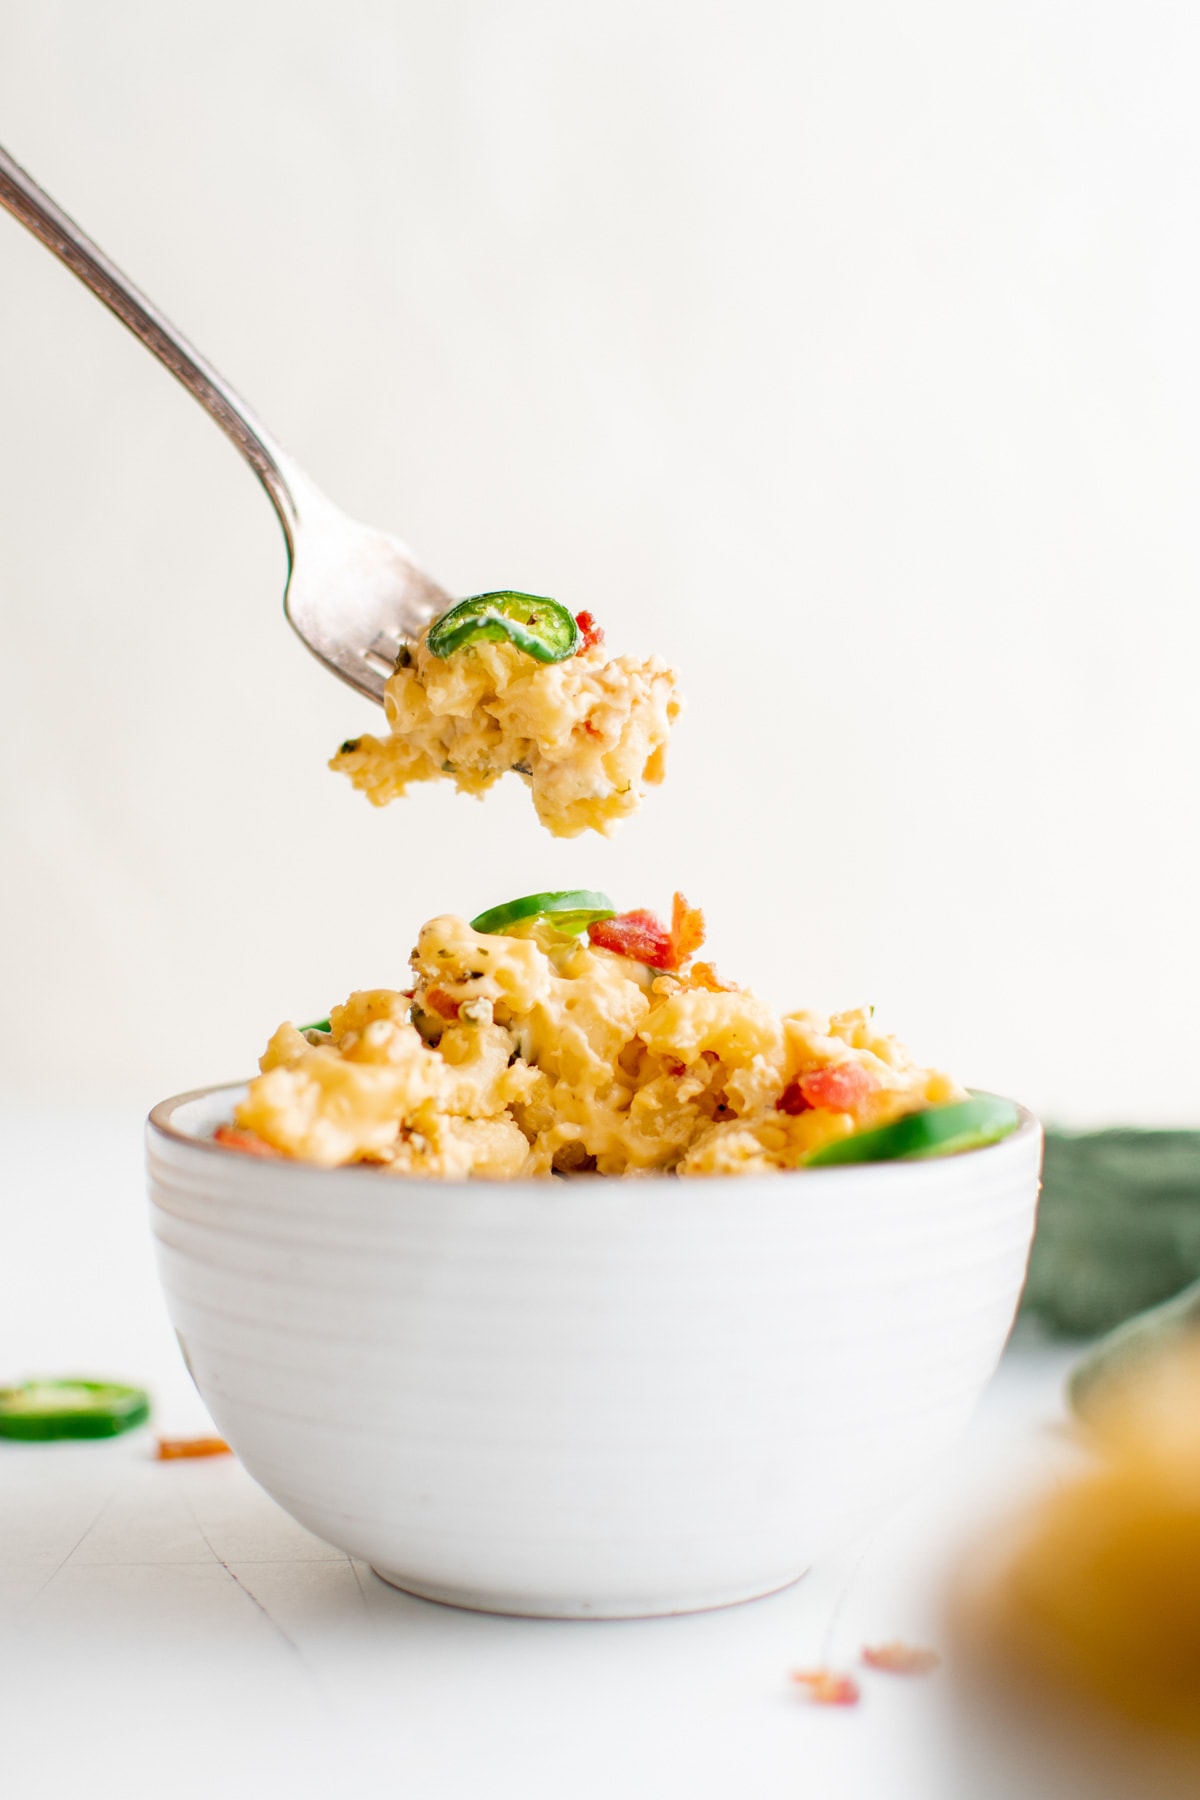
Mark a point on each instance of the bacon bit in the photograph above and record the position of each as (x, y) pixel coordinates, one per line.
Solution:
(901, 1659)
(592, 730)
(172, 1449)
(840, 1087)
(704, 975)
(644, 938)
(638, 935)
(590, 632)
(792, 1101)
(827, 1689)
(687, 929)
(249, 1142)
(673, 1067)
(441, 1002)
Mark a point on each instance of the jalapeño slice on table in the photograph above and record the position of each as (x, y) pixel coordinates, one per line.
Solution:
(938, 1131)
(40, 1410)
(542, 628)
(569, 911)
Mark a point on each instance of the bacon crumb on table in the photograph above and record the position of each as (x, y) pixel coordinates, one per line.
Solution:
(825, 1688)
(174, 1449)
(901, 1659)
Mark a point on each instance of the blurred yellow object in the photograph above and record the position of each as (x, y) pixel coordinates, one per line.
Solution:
(1101, 1596)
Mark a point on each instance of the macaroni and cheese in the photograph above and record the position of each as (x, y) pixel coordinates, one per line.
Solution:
(586, 1042)
(584, 731)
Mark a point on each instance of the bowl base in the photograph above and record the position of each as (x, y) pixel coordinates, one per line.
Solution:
(522, 1606)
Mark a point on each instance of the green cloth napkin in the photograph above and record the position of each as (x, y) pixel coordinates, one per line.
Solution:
(1118, 1227)
(1132, 1348)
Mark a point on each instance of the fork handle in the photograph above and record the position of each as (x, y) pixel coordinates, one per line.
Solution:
(29, 203)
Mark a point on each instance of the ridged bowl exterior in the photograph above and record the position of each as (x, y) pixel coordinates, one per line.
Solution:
(596, 1398)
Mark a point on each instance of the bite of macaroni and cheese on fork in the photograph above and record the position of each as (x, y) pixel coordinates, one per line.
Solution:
(510, 682)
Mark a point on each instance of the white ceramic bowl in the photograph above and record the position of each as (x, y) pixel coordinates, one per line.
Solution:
(596, 1398)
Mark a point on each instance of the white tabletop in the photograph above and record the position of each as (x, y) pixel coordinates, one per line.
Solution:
(166, 1629)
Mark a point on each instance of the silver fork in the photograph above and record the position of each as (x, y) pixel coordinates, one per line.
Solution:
(353, 594)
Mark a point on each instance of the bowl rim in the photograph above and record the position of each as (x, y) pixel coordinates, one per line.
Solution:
(160, 1119)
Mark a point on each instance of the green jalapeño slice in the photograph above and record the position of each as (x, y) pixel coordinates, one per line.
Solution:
(938, 1131)
(569, 911)
(540, 627)
(40, 1410)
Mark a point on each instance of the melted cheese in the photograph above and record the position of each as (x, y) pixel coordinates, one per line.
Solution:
(586, 735)
(530, 1053)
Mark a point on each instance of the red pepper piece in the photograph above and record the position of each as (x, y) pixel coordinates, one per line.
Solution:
(645, 939)
(827, 1689)
(234, 1138)
(590, 632)
(839, 1087)
(638, 935)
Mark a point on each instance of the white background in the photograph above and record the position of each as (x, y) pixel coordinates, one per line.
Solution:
(845, 353)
